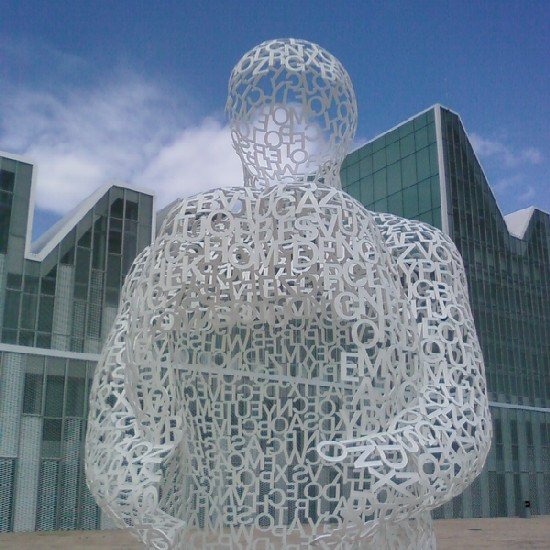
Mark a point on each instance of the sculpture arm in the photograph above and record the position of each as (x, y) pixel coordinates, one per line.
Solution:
(123, 467)
(437, 444)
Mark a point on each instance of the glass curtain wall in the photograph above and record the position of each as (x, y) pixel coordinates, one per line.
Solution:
(54, 316)
(509, 286)
(398, 172)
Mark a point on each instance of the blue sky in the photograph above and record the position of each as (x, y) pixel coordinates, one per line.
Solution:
(96, 92)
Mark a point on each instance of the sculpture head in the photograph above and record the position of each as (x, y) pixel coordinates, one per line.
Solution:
(292, 112)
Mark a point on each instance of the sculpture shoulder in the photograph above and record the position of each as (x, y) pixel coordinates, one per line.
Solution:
(193, 208)
(220, 210)
(404, 237)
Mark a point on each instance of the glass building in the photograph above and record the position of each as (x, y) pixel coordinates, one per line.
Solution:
(58, 299)
(426, 169)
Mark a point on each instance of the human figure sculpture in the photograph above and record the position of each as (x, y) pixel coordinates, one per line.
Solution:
(287, 369)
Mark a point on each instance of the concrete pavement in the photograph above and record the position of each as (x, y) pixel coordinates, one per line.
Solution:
(456, 534)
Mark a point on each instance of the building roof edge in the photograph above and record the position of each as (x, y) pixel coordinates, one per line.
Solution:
(39, 249)
(18, 158)
(382, 134)
(513, 229)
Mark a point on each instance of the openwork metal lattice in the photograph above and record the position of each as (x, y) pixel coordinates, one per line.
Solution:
(286, 368)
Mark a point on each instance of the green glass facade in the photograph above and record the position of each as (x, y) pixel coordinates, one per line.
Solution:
(398, 172)
(426, 169)
(58, 300)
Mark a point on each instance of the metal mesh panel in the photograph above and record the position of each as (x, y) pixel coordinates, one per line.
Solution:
(501, 495)
(518, 496)
(47, 499)
(109, 315)
(533, 493)
(493, 493)
(28, 466)
(61, 325)
(3, 273)
(438, 513)
(69, 474)
(545, 458)
(11, 401)
(7, 467)
(457, 506)
(92, 343)
(34, 381)
(475, 495)
(89, 510)
(448, 510)
(75, 389)
(51, 438)
(79, 318)
(546, 491)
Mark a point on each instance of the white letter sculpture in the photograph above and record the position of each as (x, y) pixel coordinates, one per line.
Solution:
(287, 369)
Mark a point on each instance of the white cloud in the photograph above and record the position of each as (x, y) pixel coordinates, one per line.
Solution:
(527, 195)
(514, 169)
(127, 131)
(501, 152)
(532, 155)
(509, 183)
(199, 158)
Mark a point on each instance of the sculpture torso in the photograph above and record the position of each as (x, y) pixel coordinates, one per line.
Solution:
(270, 306)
